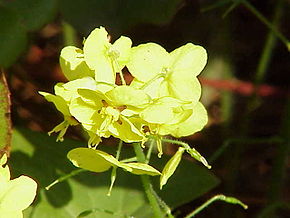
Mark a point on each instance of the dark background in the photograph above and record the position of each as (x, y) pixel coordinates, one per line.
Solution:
(248, 106)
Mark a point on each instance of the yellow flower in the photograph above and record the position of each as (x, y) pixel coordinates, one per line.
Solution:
(16, 194)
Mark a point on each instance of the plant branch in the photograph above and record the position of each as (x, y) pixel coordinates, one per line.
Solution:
(147, 184)
(65, 177)
(264, 20)
(230, 200)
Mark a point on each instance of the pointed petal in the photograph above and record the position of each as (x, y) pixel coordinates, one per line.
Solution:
(178, 87)
(73, 65)
(126, 131)
(123, 48)
(147, 60)
(19, 194)
(58, 101)
(188, 60)
(129, 96)
(84, 112)
(95, 45)
(193, 124)
(96, 48)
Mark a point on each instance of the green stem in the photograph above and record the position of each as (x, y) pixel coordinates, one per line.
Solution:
(269, 46)
(267, 23)
(114, 170)
(149, 152)
(147, 184)
(232, 7)
(230, 200)
(231, 141)
(193, 153)
(235, 155)
(122, 78)
(65, 177)
(215, 5)
(280, 163)
(120, 145)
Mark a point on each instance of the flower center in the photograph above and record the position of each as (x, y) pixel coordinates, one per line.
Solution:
(110, 115)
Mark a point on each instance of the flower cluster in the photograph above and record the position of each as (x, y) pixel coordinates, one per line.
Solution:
(162, 99)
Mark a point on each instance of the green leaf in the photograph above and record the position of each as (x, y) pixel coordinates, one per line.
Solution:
(171, 166)
(73, 64)
(47, 161)
(5, 119)
(33, 13)
(13, 37)
(141, 168)
(92, 160)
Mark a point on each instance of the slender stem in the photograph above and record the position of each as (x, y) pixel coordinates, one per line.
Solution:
(149, 152)
(176, 142)
(267, 23)
(163, 205)
(269, 46)
(230, 200)
(280, 163)
(231, 141)
(114, 170)
(147, 184)
(235, 155)
(193, 153)
(232, 7)
(215, 5)
(119, 70)
(122, 78)
(65, 177)
(120, 145)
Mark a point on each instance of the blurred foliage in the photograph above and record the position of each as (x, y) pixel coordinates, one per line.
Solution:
(19, 17)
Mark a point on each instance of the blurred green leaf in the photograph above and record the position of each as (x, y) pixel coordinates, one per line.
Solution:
(39, 156)
(33, 13)
(13, 37)
(5, 120)
(117, 15)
